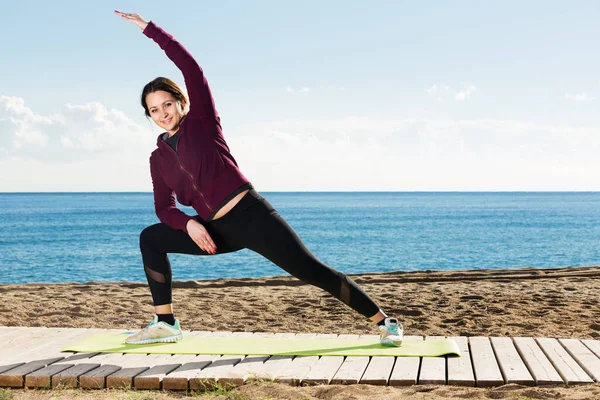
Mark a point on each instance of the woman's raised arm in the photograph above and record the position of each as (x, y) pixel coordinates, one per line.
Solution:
(201, 100)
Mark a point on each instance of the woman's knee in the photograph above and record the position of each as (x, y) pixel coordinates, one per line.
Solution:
(147, 236)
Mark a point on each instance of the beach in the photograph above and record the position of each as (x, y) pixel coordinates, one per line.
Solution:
(556, 303)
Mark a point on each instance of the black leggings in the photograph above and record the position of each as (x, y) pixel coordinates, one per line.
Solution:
(253, 224)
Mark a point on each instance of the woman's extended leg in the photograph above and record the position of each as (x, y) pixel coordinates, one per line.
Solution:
(256, 225)
(282, 246)
(268, 234)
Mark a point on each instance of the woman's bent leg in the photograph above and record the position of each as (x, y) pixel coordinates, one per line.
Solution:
(156, 241)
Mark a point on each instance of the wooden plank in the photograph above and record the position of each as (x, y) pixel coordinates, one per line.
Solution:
(76, 358)
(297, 369)
(460, 369)
(179, 378)
(38, 359)
(485, 366)
(584, 357)
(16, 376)
(568, 368)
(52, 344)
(406, 369)
(593, 345)
(274, 366)
(42, 378)
(7, 337)
(125, 377)
(7, 362)
(512, 366)
(10, 333)
(163, 364)
(433, 369)
(242, 371)
(541, 368)
(80, 363)
(271, 368)
(131, 366)
(8, 367)
(351, 369)
(28, 339)
(246, 368)
(96, 378)
(323, 371)
(153, 377)
(207, 377)
(69, 378)
(237, 373)
(111, 363)
(378, 371)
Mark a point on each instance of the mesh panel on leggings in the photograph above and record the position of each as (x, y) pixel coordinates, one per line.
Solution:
(155, 276)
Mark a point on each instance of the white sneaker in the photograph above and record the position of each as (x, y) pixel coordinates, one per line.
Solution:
(391, 333)
(156, 332)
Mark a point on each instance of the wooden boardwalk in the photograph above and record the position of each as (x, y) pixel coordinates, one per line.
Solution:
(31, 357)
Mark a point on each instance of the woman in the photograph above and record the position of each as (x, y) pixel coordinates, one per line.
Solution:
(193, 162)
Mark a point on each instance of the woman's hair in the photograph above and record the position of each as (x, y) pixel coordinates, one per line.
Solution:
(166, 85)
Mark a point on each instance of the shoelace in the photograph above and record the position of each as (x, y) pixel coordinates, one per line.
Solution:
(393, 329)
(151, 324)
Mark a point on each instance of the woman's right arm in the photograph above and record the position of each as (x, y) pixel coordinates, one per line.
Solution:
(201, 100)
(164, 202)
(168, 213)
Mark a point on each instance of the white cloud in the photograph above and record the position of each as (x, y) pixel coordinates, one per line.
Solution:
(331, 88)
(290, 89)
(77, 132)
(93, 148)
(418, 154)
(441, 92)
(579, 97)
(84, 147)
(465, 94)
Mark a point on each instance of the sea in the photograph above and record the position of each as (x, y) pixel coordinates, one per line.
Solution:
(85, 237)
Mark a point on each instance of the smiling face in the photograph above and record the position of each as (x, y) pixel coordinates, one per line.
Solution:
(164, 110)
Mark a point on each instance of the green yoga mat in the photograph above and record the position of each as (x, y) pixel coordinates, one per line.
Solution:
(114, 343)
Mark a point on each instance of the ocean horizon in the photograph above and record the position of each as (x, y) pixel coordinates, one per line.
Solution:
(93, 236)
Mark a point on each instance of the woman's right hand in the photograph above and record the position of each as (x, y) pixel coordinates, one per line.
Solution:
(200, 236)
(134, 19)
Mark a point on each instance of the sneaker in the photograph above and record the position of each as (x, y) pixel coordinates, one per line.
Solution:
(391, 333)
(156, 332)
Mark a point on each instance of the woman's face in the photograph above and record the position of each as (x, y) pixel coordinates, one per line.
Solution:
(165, 111)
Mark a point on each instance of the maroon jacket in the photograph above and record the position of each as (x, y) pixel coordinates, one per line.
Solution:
(203, 173)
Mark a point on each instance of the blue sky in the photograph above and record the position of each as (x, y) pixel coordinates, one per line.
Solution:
(325, 96)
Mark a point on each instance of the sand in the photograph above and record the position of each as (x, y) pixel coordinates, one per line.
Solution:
(559, 303)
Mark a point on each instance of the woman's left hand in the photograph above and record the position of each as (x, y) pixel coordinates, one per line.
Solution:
(135, 19)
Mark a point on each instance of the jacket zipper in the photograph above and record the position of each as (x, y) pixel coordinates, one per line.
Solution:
(191, 177)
